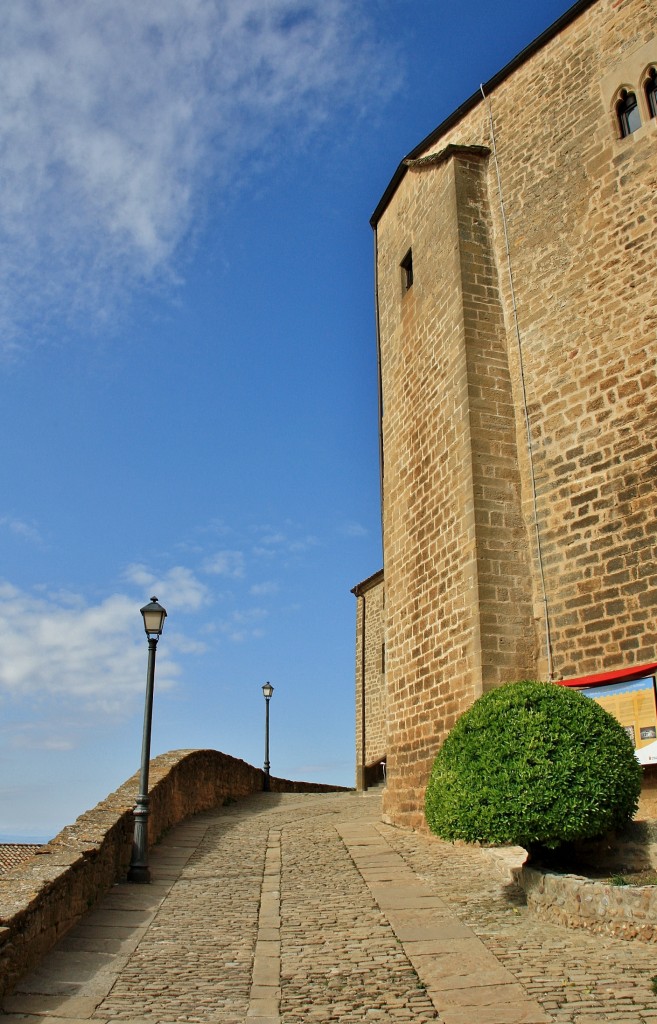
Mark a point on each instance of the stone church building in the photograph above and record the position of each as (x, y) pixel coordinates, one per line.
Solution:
(516, 309)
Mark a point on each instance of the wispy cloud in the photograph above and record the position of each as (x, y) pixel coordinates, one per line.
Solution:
(244, 625)
(225, 563)
(177, 588)
(353, 529)
(41, 736)
(66, 657)
(294, 540)
(304, 543)
(271, 537)
(19, 528)
(250, 615)
(266, 589)
(182, 644)
(115, 116)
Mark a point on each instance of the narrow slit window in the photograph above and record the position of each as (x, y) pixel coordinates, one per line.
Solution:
(407, 271)
(651, 91)
(627, 111)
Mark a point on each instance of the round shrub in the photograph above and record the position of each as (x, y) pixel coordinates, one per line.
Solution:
(533, 764)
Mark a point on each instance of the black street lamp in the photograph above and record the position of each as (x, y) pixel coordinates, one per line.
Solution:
(267, 691)
(154, 615)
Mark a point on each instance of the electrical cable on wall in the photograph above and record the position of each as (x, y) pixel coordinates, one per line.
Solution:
(548, 643)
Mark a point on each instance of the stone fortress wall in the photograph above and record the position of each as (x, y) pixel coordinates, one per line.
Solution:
(43, 898)
(466, 363)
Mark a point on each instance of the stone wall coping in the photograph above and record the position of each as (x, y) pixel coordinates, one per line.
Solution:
(624, 911)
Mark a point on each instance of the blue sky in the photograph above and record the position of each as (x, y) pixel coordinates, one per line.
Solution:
(187, 366)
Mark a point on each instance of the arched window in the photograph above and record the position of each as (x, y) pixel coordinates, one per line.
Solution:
(651, 91)
(627, 112)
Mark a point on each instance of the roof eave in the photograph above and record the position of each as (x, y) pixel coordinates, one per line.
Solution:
(557, 26)
(367, 584)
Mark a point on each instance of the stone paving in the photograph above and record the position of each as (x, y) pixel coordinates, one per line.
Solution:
(291, 908)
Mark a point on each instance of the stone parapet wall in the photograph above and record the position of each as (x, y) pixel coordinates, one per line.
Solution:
(42, 899)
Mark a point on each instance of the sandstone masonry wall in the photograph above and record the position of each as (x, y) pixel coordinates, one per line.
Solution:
(42, 899)
(464, 598)
(371, 725)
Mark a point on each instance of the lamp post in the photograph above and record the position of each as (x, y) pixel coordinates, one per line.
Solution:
(267, 691)
(154, 615)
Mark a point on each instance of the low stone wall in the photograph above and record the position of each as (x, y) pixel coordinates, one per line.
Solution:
(43, 898)
(627, 912)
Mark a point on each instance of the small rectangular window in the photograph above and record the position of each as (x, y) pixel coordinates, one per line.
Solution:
(383, 658)
(407, 271)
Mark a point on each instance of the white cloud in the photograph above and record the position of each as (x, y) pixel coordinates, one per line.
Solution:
(28, 736)
(26, 531)
(225, 563)
(177, 589)
(250, 615)
(272, 541)
(89, 656)
(185, 644)
(266, 589)
(272, 538)
(354, 529)
(240, 636)
(303, 543)
(243, 625)
(115, 115)
(263, 552)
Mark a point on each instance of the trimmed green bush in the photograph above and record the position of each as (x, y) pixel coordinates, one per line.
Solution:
(533, 764)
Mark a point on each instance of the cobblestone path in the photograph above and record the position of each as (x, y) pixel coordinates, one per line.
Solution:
(578, 977)
(286, 909)
(341, 960)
